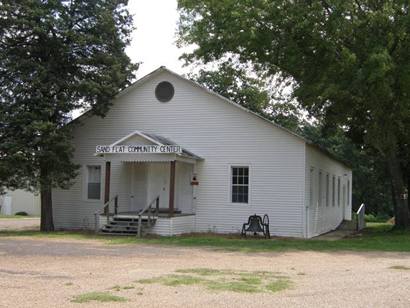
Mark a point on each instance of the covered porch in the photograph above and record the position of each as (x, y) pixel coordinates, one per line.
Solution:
(158, 186)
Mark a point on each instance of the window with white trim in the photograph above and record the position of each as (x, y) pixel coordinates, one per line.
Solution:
(344, 195)
(240, 184)
(312, 174)
(338, 191)
(327, 189)
(320, 189)
(94, 182)
(334, 191)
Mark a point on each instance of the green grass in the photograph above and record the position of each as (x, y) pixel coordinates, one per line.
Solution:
(202, 271)
(97, 296)
(224, 280)
(173, 280)
(14, 216)
(279, 285)
(400, 267)
(376, 237)
(234, 286)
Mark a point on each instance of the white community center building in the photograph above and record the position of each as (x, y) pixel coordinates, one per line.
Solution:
(171, 157)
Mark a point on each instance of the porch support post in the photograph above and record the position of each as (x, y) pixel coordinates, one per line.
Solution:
(172, 188)
(107, 181)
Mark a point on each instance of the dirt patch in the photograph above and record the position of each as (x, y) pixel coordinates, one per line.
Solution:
(8, 224)
(49, 273)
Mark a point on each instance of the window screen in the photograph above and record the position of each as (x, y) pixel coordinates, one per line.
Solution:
(94, 182)
(240, 184)
(164, 91)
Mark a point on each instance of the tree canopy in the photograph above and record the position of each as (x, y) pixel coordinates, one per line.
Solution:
(57, 56)
(348, 62)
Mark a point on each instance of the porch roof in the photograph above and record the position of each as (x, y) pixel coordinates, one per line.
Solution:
(153, 139)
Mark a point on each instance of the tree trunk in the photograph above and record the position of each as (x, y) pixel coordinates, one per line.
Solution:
(408, 188)
(401, 211)
(46, 223)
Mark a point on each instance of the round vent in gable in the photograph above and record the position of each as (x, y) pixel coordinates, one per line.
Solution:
(164, 91)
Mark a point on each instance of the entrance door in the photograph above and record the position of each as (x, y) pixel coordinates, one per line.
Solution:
(138, 189)
(158, 183)
(184, 189)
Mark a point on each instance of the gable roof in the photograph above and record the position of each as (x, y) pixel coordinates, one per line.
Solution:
(162, 69)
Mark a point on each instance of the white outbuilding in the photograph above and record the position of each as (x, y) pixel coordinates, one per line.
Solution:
(189, 160)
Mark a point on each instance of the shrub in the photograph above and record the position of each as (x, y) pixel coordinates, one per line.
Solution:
(378, 218)
(21, 214)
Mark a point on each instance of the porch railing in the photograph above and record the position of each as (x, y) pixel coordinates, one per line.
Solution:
(151, 212)
(106, 211)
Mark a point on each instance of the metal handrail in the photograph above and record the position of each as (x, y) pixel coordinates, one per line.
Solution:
(148, 209)
(361, 223)
(105, 210)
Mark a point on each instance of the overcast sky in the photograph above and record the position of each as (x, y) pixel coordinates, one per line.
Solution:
(153, 42)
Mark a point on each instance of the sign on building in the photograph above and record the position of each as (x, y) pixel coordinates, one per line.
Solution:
(138, 149)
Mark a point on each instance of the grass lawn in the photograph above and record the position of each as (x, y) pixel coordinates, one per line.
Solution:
(98, 297)
(224, 280)
(14, 216)
(376, 237)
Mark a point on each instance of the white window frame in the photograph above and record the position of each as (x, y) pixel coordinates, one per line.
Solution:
(231, 166)
(311, 186)
(339, 193)
(320, 188)
(333, 190)
(327, 190)
(85, 182)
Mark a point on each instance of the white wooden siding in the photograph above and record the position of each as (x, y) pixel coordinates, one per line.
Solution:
(174, 225)
(322, 217)
(221, 133)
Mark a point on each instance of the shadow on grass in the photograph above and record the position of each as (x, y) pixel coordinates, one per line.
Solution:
(376, 237)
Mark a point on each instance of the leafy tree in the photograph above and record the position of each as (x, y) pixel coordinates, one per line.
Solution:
(348, 61)
(254, 93)
(371, 182)
(56, 56)
(235, 84)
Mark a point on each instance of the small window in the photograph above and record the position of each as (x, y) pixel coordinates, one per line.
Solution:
(344, 195)
(312, 174)
(240, 184)
(94, 182)
(333, 191)
(348, 193)
(320, 189)
(338, 191)
(327, 189)
(164, 91)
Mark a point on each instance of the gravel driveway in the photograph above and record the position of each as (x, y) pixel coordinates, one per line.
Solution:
(29, 223)
(50, 272)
